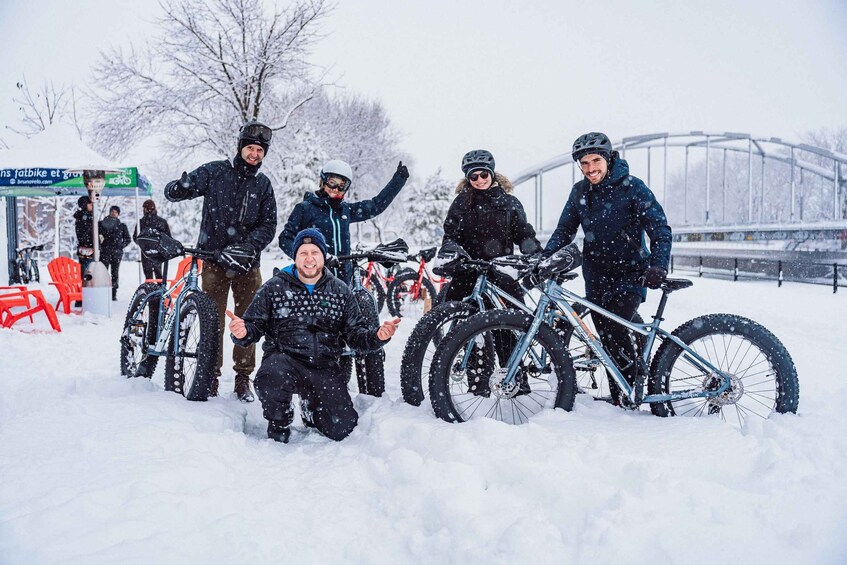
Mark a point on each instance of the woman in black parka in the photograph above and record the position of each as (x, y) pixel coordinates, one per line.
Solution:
(487, 221)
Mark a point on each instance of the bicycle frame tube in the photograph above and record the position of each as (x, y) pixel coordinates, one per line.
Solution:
(561, 298)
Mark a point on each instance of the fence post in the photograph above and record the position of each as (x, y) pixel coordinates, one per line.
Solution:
(779, 276)
(834, 278)
(735, 270)
(700, 269)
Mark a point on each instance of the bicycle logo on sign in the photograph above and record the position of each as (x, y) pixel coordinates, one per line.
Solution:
(122, 179)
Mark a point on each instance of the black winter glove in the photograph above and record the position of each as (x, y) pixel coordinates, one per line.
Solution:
(403, 171)
(185, 180)
(237, 257)
(653, 277)
(331, 261)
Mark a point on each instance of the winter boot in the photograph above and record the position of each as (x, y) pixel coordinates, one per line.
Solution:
(278, 431)
(242, 388)
(213, 389)
(523, 379)
(114, 294)
(306, 414)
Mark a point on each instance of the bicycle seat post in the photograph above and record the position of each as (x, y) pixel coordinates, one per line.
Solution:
(662, 303)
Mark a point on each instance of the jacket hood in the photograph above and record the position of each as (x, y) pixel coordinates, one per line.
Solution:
(620, 170)
(500, 179)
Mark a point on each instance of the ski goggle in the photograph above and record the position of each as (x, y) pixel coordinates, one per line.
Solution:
(338, 183)
(473, 177)
(258, 132)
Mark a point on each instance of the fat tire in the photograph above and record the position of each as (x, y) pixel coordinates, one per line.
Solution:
(370, 369)
(429, 329)
(440, 371)
(787, 387)
(396, 291)
(147, 365)
(375, 288)
(206, 354)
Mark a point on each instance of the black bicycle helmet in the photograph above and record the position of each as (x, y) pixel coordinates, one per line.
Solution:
(593, 142)
(477, 159)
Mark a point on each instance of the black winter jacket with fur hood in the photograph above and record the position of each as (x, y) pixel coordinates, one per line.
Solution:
(489, 223)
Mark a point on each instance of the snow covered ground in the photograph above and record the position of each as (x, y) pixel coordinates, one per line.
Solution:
(95, 468)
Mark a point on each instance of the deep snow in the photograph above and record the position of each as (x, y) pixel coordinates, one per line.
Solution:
(95, 468)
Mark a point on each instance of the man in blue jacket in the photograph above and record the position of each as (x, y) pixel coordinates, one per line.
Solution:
(306, 315)
(326, 210)
(239, 221)
(616, 210)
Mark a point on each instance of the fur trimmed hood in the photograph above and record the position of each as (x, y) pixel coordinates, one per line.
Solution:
(499, 179)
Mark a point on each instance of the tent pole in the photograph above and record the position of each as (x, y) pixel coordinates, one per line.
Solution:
(138, 231)
(57, 222)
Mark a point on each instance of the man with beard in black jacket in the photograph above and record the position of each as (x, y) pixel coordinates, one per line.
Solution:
(114, 236)
(306, 314)
(239, 221)
(616, 210)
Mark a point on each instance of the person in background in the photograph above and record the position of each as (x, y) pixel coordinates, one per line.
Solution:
(238, 222)
(151, 222)
(616, 211)
(84, 227)
(114, 236)
(306, 315)
(326, 210)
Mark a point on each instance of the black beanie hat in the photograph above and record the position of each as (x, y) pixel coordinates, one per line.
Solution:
(83, 202)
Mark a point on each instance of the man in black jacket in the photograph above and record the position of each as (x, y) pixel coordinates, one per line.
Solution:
(151, 222)
(239, 221)
(114, 236)
(306, 314)
(84, 227)
(616, 210)
(326, 210)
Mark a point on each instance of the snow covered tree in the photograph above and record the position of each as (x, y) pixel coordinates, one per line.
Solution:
(215, 66)
(426, 208)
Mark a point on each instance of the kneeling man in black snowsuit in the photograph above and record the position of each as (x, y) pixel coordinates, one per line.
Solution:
(306, 315)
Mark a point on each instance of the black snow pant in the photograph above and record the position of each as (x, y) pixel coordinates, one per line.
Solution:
(114, 267)
(323, 394)
(622, 345)
(462, 286)
(152, 269)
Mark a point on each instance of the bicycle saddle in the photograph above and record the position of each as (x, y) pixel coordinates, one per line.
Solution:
(671, 285)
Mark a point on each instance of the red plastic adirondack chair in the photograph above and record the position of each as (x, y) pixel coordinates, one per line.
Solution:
(67, 278)
(19, 297)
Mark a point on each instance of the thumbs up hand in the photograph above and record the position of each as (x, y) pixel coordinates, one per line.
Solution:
(236, 326)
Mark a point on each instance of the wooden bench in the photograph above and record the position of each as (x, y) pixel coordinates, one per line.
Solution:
(18, 297)
(67, 278)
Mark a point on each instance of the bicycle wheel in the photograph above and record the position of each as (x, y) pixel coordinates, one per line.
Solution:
(139, 333)
(375, 288)
(405, 297)
(370, 370)
(190, 373)
(422, 343)
(763, 377)
(461, 390)
(346, 363)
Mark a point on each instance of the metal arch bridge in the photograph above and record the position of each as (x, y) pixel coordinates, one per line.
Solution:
(826, 167)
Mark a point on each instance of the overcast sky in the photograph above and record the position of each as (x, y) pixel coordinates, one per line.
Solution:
(522, 79)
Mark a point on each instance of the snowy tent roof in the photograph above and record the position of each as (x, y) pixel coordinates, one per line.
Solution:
(57, 147)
